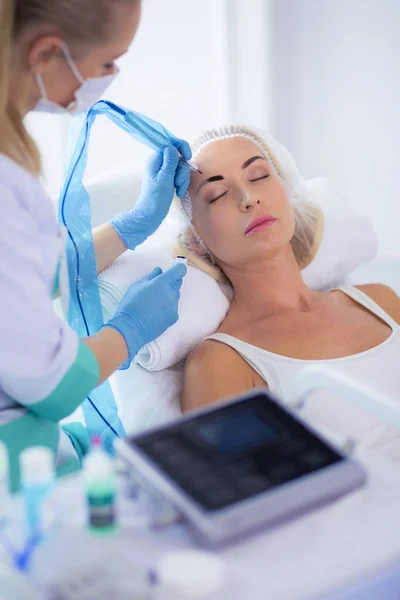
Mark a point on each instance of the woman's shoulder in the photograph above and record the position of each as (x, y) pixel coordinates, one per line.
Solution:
(23, 191)
(384, 296)
(211, 355)
(214, 371)
(11, 173)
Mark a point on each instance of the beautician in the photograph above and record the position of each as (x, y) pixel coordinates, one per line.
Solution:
(59, 56)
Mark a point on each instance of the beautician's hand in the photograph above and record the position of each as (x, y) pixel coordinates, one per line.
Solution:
(164, 173)
(149, 307)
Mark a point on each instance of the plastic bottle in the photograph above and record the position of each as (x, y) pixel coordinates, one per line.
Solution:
(37, 484)
(100, 486)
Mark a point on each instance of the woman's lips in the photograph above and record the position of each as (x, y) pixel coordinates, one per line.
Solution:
(260, 224)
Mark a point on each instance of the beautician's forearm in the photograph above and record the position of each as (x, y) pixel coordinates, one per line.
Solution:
(108, 246)
(110, 350)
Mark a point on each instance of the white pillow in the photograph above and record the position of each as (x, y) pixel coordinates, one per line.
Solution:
(348, 239)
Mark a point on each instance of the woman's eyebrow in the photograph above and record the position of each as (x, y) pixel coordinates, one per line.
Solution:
(210, 179)
(248, 162)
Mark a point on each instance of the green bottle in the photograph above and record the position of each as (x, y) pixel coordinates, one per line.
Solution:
(101, 491)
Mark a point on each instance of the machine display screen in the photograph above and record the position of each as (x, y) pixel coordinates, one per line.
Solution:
(237, 431)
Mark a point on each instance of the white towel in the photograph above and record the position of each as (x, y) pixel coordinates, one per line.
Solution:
(202, 306)
(128, 268)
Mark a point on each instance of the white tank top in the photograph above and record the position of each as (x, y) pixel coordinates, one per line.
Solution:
(379, 366)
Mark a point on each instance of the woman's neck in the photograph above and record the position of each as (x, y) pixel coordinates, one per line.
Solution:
(269, 286)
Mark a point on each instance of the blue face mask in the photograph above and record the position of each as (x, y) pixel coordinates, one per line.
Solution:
(89, 92)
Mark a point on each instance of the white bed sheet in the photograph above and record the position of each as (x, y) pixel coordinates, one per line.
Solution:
(150, 398)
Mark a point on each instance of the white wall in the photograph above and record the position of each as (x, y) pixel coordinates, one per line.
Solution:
(336, 100)
(170, 74)
(50, 133)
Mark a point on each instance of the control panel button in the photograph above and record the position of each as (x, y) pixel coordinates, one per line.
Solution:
(197, 479)
(240, 468)
(291, 447)
(253, 484)
(283, 472)
(165, 445)
(194, 468)
(220, 496)
(205, 482)
(171, 453)
(313, 459)
(177, 459)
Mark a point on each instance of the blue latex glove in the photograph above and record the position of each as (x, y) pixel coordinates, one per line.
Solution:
(79, 436)
(149, 307)
(164, 173)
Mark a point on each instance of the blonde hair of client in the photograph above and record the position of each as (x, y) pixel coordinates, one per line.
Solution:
(247, 218)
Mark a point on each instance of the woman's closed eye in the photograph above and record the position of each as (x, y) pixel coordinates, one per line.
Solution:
(259, 178)
(218, 197)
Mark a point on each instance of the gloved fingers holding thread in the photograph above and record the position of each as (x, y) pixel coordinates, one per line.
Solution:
(171, 163)
(162, 165)
(149, 307)
(183, 148)
(164, 172)
(182, 176)
(182, 179)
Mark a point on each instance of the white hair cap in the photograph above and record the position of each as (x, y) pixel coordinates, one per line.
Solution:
(279, 158)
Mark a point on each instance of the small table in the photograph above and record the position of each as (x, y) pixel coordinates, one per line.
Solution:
(348, 550)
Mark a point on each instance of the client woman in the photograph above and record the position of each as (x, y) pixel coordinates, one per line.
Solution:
(249, 217)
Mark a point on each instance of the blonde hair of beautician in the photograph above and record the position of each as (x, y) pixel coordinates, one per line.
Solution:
(81, 23)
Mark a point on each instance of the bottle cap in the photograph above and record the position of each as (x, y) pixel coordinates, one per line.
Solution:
(191, 573)
(96, 441)
(98, 465)
(37, 465)
(181, 259)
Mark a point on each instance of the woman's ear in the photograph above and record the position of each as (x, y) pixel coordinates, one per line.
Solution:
(43, 52)
(192, 242)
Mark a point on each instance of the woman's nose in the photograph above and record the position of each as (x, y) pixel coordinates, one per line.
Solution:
(248, 201)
